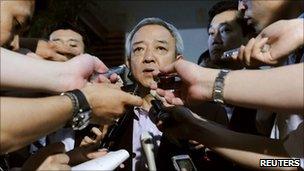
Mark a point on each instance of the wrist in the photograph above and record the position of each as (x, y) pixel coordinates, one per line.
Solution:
(66, 80)
(69, 107)
(81, 109)
(207, 82)
(88, 93)
(52, 78)
(300, 35)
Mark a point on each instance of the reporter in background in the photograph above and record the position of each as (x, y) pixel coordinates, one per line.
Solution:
(65, 42)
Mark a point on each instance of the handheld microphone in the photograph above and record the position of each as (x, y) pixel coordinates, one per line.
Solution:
(228, 55)
(148, 146)
(108, 162)
(118, 70)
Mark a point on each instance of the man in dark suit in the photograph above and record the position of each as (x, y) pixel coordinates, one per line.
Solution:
(153, 43)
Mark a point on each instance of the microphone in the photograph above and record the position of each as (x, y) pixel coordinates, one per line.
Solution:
(108, 162)
(148, 146)
(118, 70)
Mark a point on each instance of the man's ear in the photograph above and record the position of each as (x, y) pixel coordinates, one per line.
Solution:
(128, 62)
(179, 57)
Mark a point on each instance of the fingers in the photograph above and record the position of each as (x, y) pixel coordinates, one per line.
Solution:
(132, 100)
(86, 141)
(57, 57)
(193, 142)
(177, 101)
(257, 52)
(248, 51)
(241, 54)
(56, 162)
(99, 66)
(34, 55)
(170, 97)
(59, 158)
(196, 144)
(96, 154)
(114, 78)
(169, 69)
(153, 86)
(161, 92)
(63, 167)
(98, 134)
(104, 130)
(102, 79)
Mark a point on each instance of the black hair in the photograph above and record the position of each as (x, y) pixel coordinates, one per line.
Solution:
(41, 5)
(227, 5)
(71, 26)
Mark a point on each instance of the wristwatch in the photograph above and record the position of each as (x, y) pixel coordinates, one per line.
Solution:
(82, 112)
(218, 89)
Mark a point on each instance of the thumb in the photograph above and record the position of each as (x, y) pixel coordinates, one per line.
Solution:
(170, 68)
(99, 66)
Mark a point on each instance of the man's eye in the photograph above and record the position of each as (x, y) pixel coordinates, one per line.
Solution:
(225, 30)
(161, 48)
(211, 33)
(138, 49)
(73, 45)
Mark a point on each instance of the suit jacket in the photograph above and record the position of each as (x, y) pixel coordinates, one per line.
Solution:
(165, 151)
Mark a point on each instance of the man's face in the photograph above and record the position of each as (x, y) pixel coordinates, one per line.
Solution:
(260, 13)
(69, 38)
(224, 34)
(152, 47)
(15, 16)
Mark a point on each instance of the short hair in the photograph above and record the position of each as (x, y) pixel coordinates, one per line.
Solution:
(70, 26)
(227, 5)
(179, 45)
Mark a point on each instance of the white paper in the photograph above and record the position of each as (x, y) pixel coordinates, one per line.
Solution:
(108, 162)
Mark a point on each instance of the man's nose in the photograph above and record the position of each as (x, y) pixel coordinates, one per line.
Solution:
(149, 56)
(217, 38)
(14, 45)
(242, 6)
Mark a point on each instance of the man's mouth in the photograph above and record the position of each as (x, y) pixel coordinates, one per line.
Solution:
(148, 70)
(248, 19)
(216, 51)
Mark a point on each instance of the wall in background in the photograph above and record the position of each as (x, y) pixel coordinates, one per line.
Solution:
(195, 42)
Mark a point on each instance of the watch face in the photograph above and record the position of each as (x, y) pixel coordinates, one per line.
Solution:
(81, 120)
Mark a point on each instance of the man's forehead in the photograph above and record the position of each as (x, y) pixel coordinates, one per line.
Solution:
(152, 32)
(224, 17)
(65, 33)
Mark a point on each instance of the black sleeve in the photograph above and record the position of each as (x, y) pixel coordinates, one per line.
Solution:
(29, 43)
